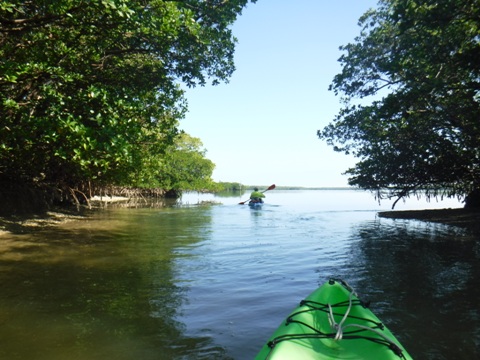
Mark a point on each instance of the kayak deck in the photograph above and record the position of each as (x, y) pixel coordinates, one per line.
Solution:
(332, 323)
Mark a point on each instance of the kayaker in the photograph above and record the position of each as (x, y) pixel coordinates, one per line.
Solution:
(256, 196)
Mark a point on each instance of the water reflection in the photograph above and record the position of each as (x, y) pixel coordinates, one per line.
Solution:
(422, 279)
(214, 281)
(104, 288)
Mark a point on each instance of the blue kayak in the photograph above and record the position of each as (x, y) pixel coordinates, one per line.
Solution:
(255, 203)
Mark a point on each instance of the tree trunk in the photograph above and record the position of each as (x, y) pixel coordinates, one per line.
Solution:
(472, 201)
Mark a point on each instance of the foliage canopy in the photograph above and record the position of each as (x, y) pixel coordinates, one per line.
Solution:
(418, 60)
(90, 90)
(183, 167)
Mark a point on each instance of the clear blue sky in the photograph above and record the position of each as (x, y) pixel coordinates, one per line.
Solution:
(260, 128)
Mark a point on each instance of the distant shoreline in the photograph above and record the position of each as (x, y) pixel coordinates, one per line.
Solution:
(303, 188)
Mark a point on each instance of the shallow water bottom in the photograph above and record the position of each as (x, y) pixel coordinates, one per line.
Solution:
(214, 281)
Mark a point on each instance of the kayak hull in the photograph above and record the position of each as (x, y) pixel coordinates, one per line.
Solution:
(255, 203)
(307, 332)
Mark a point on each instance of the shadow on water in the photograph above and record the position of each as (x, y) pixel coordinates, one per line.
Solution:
(103, 288)
(422, 280)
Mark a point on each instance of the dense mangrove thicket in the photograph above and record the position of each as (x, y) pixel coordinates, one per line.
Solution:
(91, 97)
(416, 129)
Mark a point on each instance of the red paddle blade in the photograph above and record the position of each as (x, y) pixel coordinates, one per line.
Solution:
(271, 187)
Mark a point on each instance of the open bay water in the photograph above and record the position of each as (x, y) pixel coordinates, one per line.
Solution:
(213, 281)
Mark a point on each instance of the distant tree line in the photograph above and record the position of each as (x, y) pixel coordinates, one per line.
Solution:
(90, 93)
(230, 186)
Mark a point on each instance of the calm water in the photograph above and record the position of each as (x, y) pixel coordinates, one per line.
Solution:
(214, 281)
